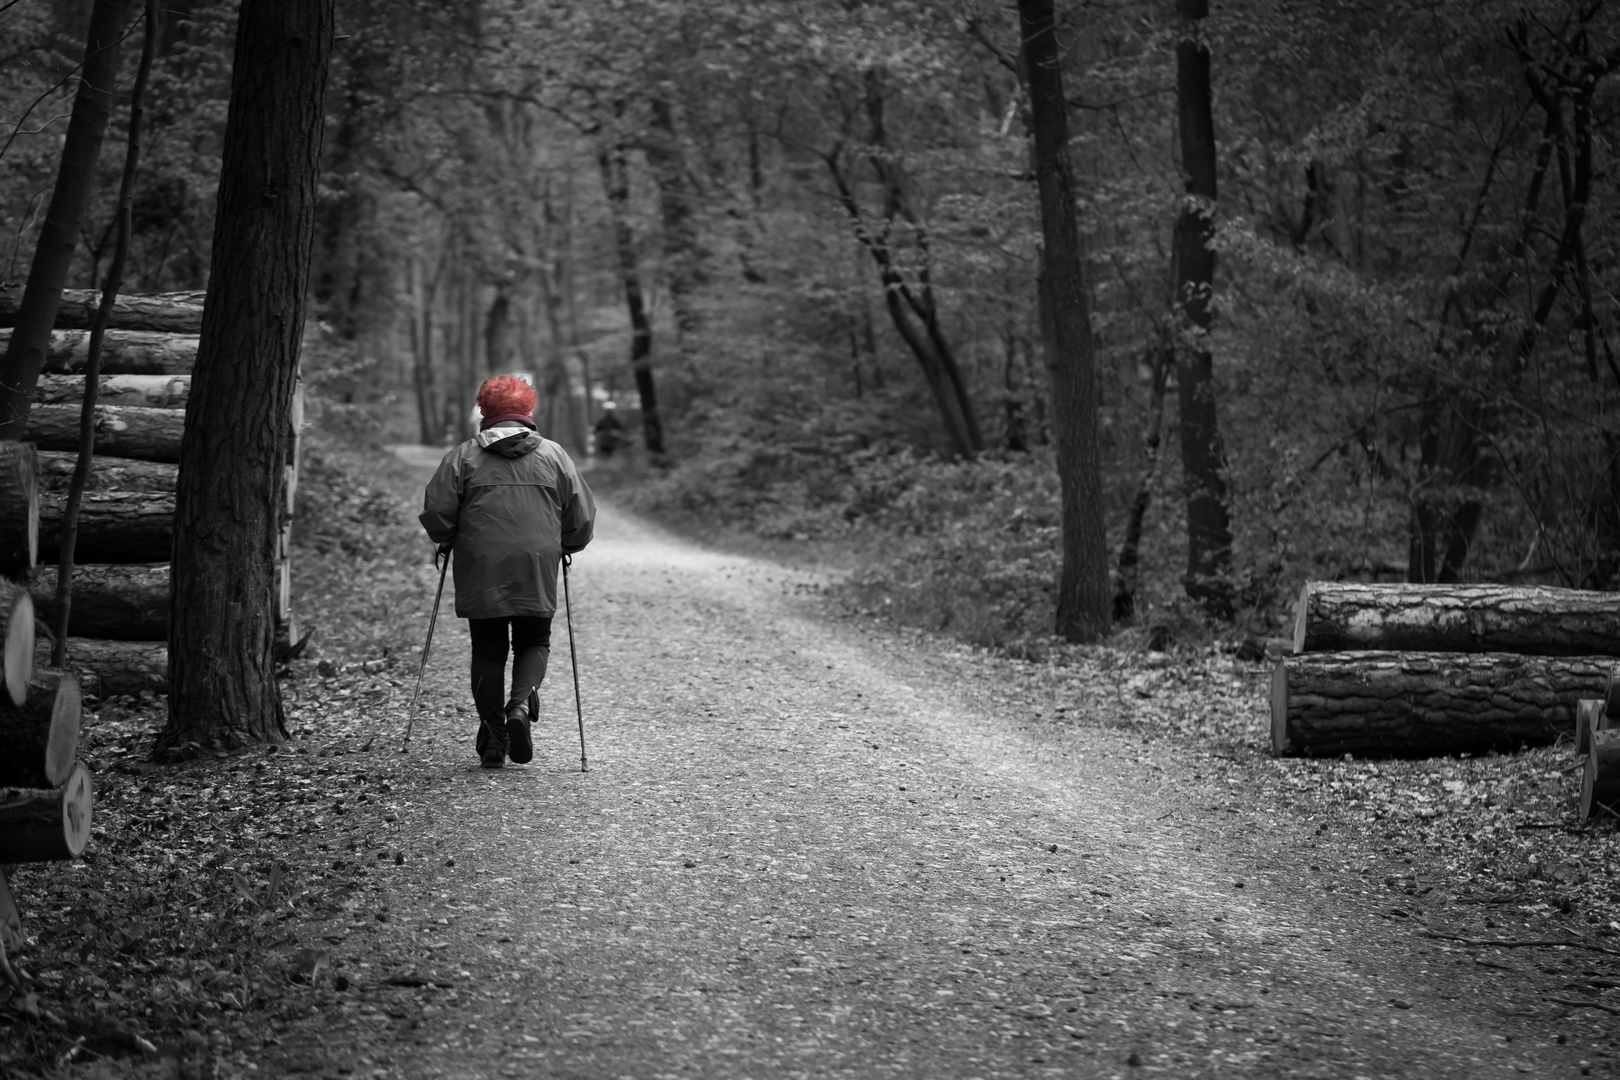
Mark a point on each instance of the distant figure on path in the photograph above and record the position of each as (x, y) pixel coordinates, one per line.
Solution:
(509, 504)
(609, 430)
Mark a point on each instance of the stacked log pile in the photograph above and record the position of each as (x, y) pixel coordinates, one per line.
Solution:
(1426, 670)
(118, 619)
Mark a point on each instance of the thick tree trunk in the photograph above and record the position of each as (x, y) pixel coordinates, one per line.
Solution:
(35, 312)
(107, 668)
(1082, 602)
(1600, 781)
(109, 476)
(40, 825)
(1422, 704)
(1209, 531)
(120, 391)
(160, 313)
(41, 736)
(125, 603)
(114, 527)
(123, 352)
(19, 509)
(1456, 618)
(228, 509)
(616, 179)
(129, 431)
(17, 648)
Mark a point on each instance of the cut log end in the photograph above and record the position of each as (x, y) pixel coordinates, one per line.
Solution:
(40, 737)
(1600, 781)
(18, 627)
(47, 824)
(1588, 718)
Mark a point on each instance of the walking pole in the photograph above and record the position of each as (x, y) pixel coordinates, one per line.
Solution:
(573, 660)
(426, 645)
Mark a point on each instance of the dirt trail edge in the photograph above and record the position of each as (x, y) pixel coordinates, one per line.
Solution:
(809, 848)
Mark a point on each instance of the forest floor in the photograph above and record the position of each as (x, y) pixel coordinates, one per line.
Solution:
(808, 845)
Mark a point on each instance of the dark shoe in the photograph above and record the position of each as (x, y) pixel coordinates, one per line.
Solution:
(517, 734)
(491, 746)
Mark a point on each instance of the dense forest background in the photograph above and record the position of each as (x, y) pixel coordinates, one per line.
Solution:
(799, 245)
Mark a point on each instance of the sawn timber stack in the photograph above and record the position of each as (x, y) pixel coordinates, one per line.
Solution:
(1423, 670)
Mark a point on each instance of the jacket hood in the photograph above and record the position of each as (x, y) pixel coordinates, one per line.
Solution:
(509, 441)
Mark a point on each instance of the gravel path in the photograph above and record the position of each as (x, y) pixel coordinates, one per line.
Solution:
(807, 847)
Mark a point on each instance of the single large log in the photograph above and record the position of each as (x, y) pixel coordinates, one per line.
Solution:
(125, 603)
(143, 391)
(17, 624)
(121, 430)
(1600, 782)
(170, 313)
(1421, 704)
(37, 825)
(114, 527)
(41, 736)
(1336, 615)
(106, 668)
(107, 474)
(123, 352)
(19, 508)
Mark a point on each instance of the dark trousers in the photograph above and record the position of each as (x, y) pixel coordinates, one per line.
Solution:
(530, 647)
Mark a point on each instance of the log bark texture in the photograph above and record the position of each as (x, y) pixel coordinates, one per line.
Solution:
(17, 624)
(107, 475)
(114, 527)
(1332, 616)
(142, 391)
(40, 737)
(124, 603)
(106, 668)
(123, 352)
(121, 430)
(1424, 704)
(168, 313)
(39, 825)
(1600, 783)
(19, 508)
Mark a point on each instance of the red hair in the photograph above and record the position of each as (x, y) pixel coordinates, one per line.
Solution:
(505, 395)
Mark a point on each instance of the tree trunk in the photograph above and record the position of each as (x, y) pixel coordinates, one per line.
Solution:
(142, 391)
(129, 431)
(108, 668)
(1600, 781)
(160, 313)
(1082, 601)
(222, 685)
(683, 254)
(19, 509)
(41, 736)
(1456, 618)
(1424, 704)
(616, 179)
(114, 527)
(1209, 532)
(108, 476)
(1160, 357)
(40, 825)
(17, 649)
(123, 352)
(125, 603)
(35, 315)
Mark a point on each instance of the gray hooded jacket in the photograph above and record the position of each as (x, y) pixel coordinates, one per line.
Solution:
(514, 504)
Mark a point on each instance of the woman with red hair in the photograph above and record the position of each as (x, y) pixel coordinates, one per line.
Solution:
(510, 504)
